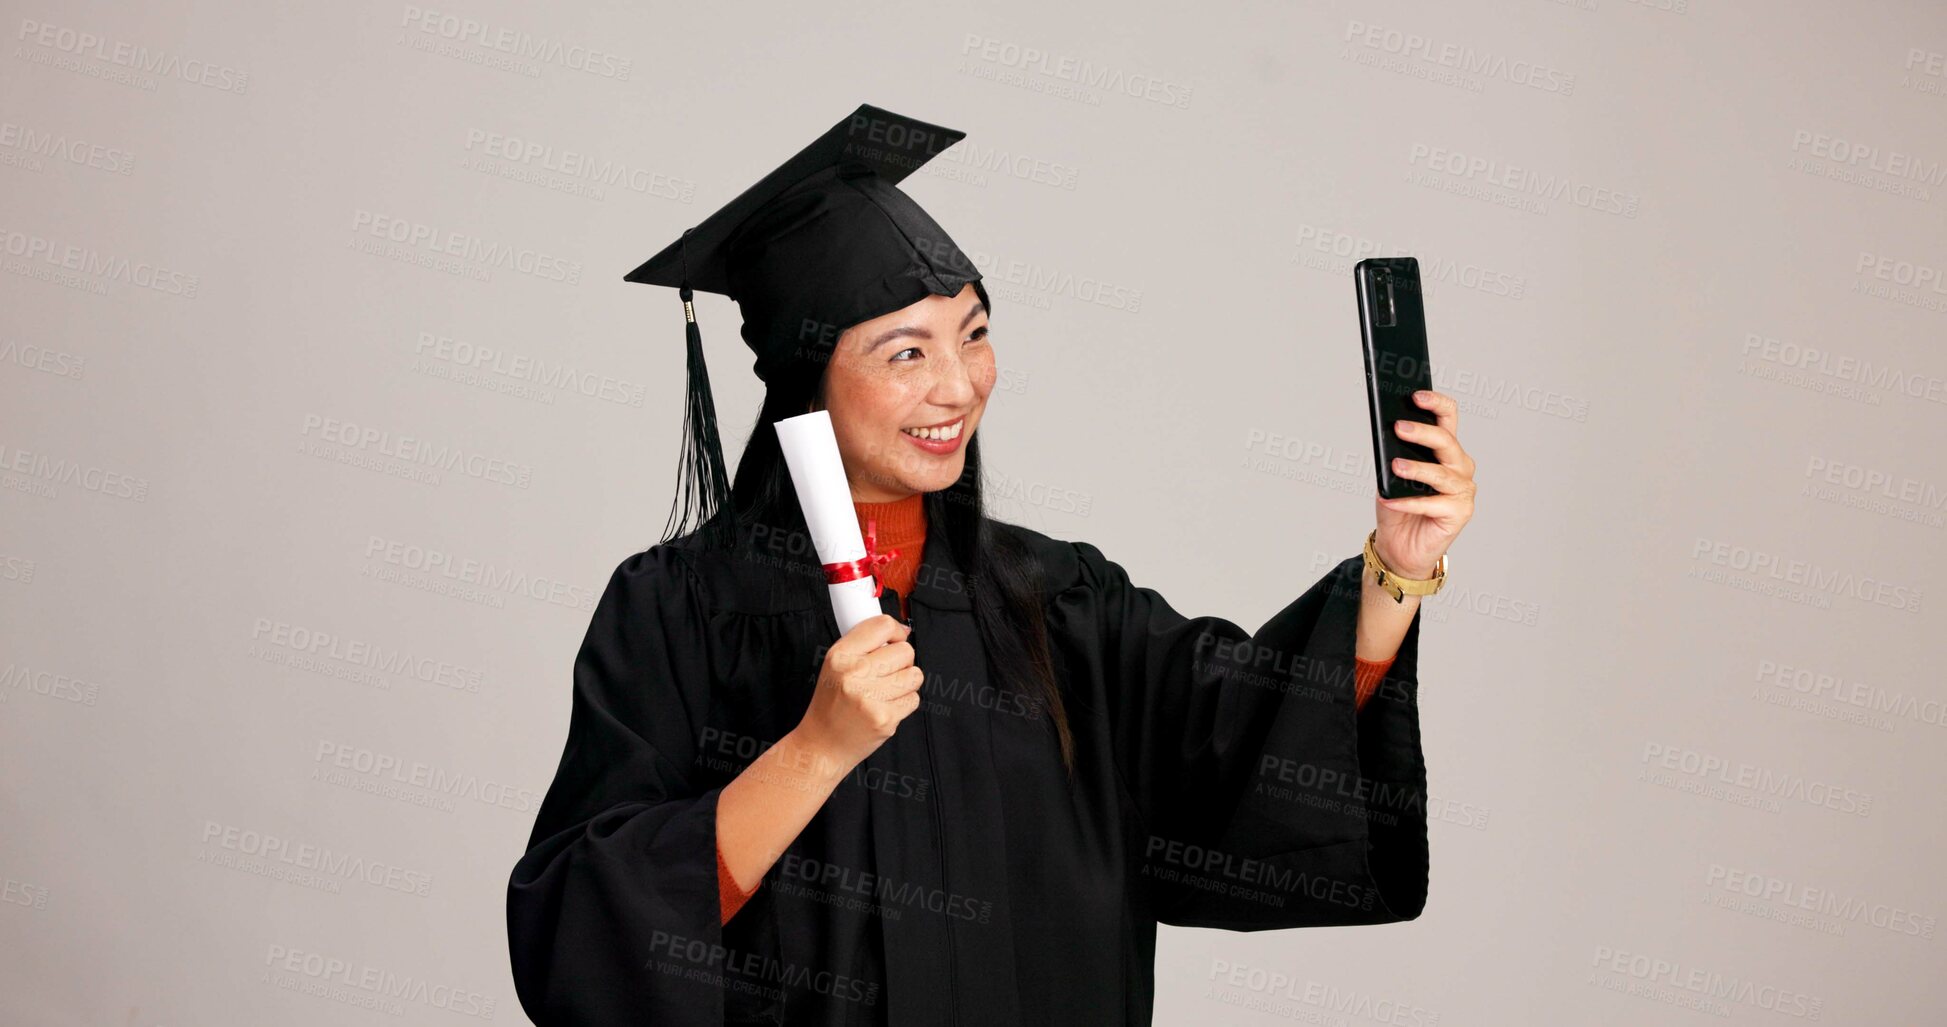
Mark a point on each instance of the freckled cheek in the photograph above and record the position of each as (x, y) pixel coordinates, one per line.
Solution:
(911, 398)
(890, 417)
(984, 375)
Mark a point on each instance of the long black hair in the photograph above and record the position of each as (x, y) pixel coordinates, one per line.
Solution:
(1005, 586)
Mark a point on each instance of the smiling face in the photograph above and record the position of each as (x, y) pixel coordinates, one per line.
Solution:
(928, 365)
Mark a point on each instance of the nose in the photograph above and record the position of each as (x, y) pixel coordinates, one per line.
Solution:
(954, 383)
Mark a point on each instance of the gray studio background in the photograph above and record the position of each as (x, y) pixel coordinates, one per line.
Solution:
(278, 697)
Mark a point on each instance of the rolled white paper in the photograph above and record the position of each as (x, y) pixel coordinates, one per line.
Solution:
(818, 474)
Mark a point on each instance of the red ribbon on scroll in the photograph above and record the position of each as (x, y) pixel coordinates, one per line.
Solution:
(852, 570)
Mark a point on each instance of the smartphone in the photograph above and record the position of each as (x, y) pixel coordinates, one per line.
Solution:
(1392, 328)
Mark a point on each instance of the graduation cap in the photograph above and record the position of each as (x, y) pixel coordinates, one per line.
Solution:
(823, 242)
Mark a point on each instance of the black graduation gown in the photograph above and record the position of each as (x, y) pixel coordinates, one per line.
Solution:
(1223, 780)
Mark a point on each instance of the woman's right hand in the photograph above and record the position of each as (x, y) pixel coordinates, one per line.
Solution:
(866, 687)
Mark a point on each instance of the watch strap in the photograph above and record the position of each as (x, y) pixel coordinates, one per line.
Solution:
(1395, 585)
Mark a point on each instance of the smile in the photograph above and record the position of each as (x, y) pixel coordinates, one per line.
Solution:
(938, 439)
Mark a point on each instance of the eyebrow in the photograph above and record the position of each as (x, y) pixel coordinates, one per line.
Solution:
(916, 332)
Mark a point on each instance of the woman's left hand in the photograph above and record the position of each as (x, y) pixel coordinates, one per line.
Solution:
(1415, 531)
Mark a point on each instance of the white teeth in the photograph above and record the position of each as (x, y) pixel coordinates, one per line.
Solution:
(948, 433)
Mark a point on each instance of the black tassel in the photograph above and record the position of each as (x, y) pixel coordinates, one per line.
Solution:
(703, 485)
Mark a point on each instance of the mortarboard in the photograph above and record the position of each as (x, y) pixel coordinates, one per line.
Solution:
(823, 242)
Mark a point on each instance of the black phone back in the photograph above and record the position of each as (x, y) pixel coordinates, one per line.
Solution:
(1392, 323)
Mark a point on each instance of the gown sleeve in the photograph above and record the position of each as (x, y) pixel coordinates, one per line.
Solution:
(613, 912)
(1270, 797)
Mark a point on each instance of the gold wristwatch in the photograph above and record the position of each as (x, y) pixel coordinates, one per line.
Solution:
(1398, 586)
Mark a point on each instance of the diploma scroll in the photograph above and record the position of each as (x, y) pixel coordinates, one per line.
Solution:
(818, 475)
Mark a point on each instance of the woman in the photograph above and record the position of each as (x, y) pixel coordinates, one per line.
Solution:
(976, 807)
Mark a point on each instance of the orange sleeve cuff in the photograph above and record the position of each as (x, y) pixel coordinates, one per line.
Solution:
(730, 898)
(1365, 678)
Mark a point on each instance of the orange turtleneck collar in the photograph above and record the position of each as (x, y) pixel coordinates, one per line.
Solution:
(901, 525)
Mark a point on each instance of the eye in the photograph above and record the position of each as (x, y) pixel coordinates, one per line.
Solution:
(977, 335)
